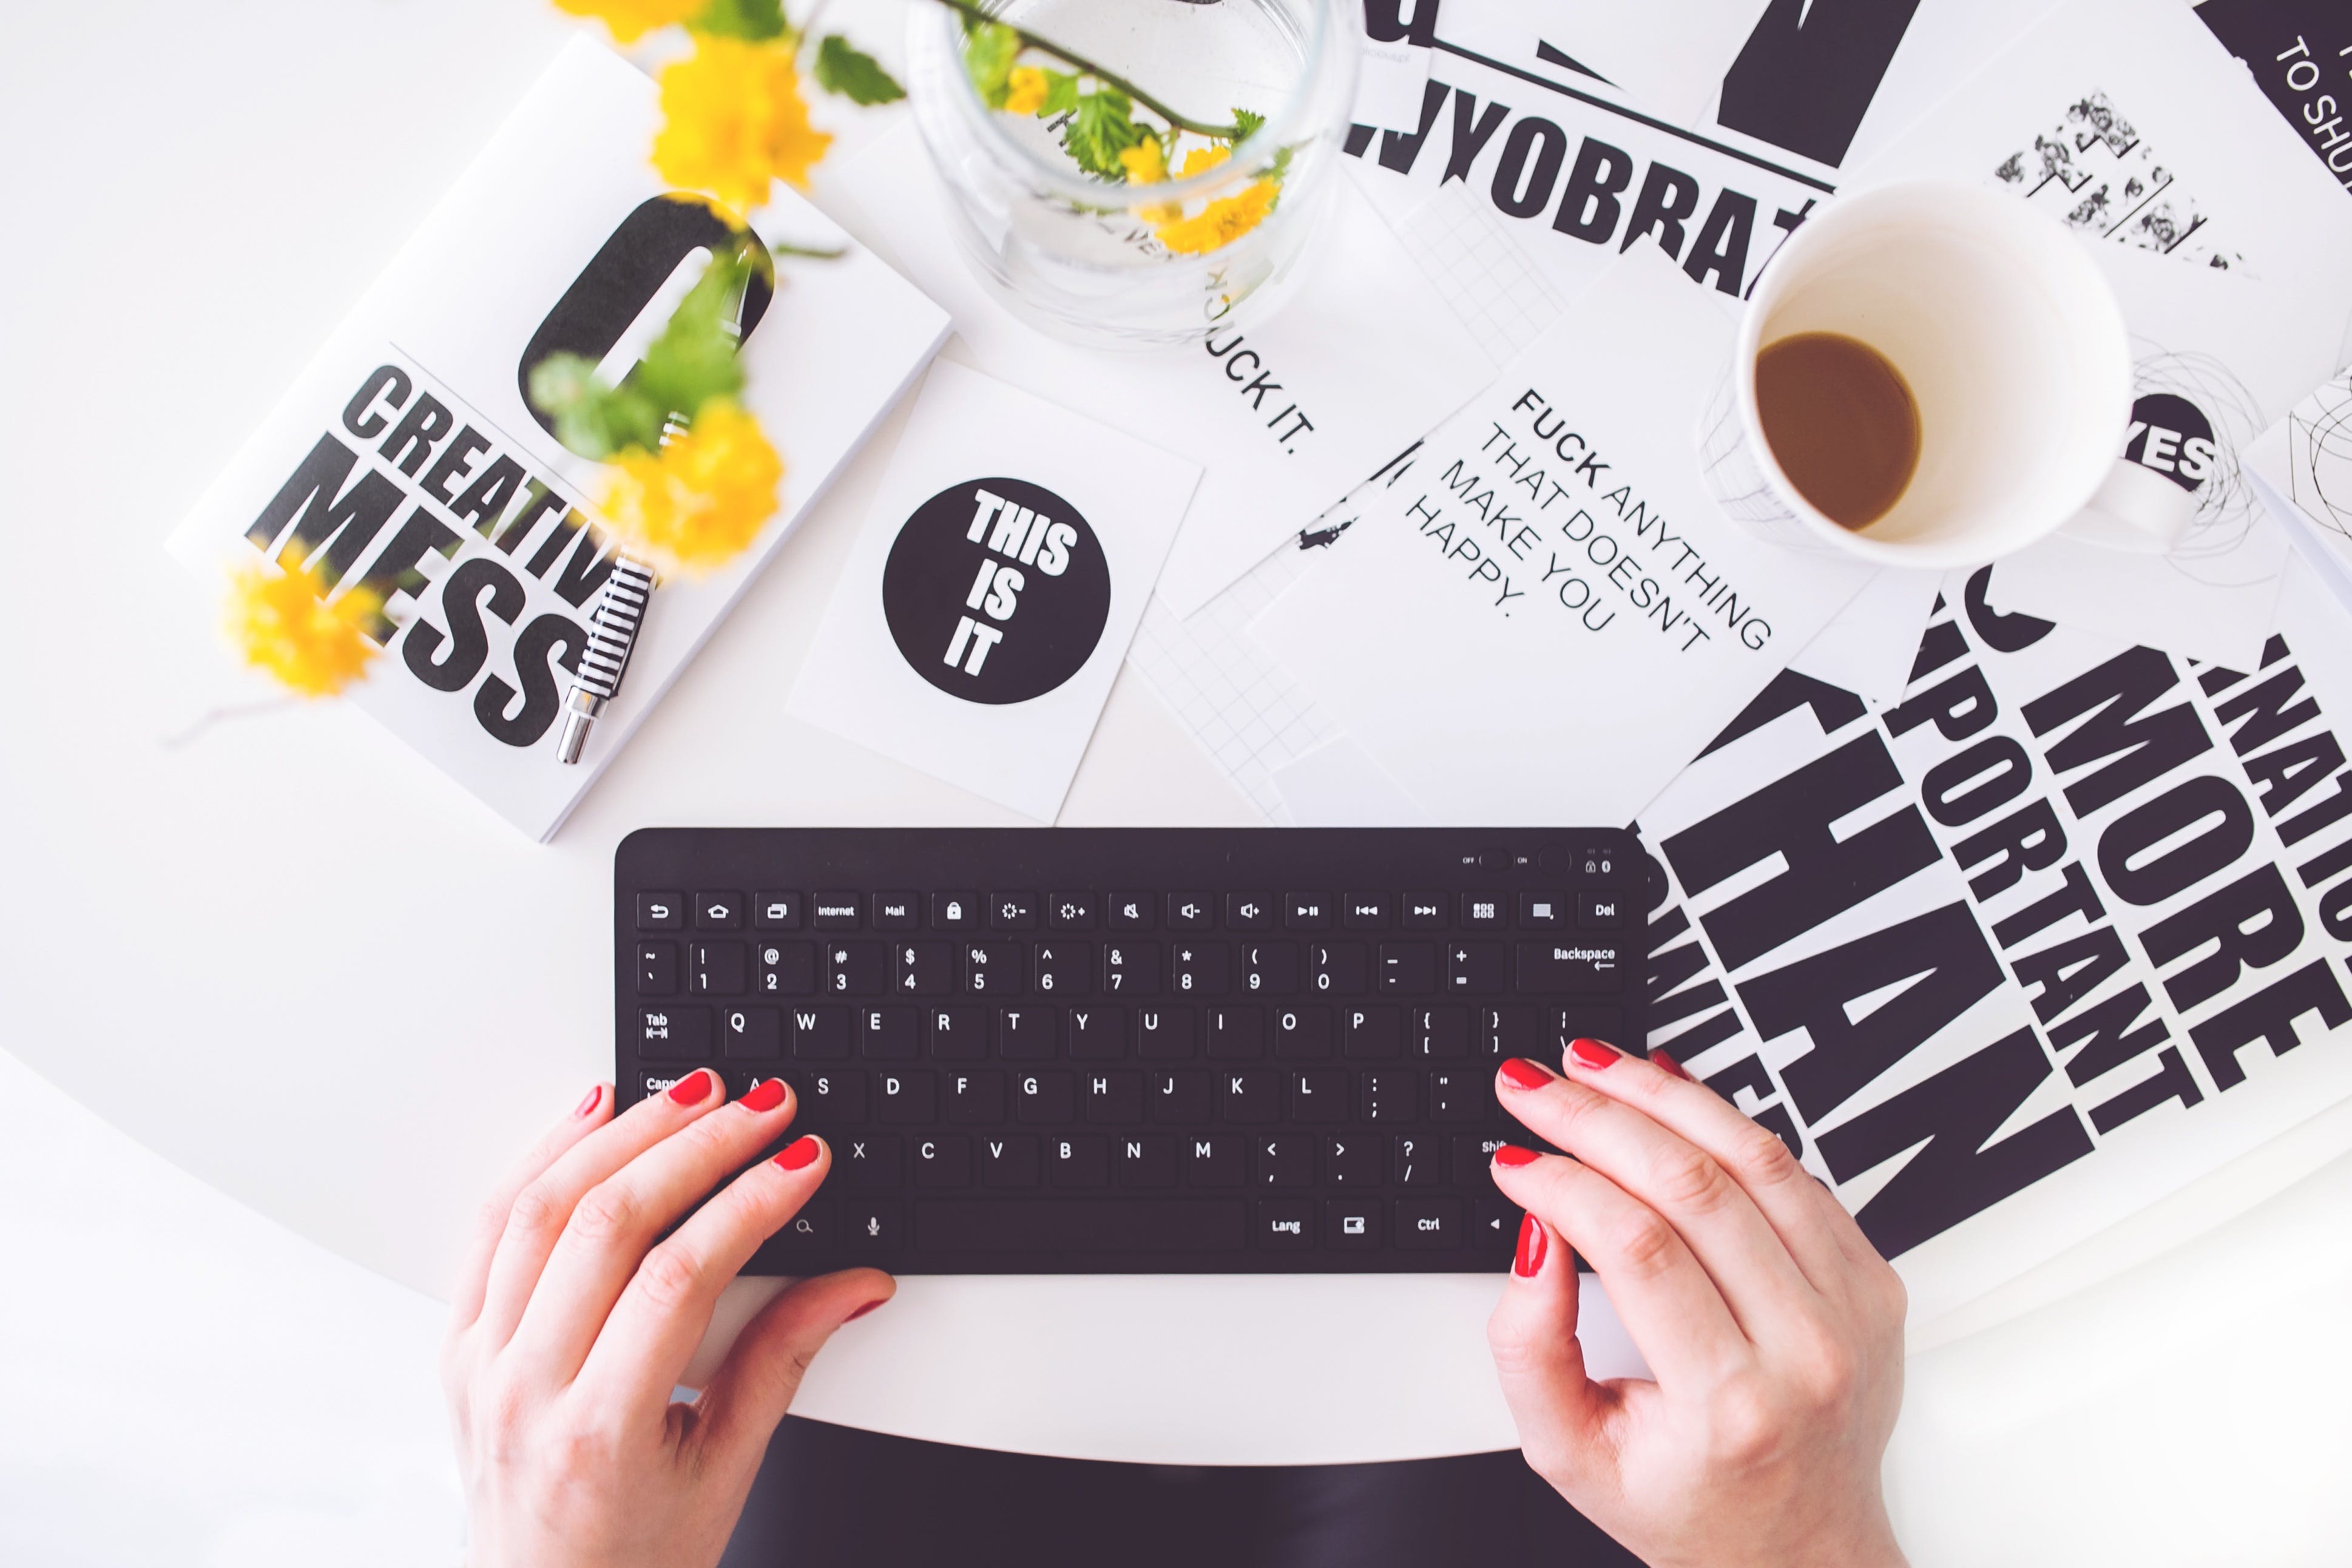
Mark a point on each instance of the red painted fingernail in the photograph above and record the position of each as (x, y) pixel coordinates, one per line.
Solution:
(1591, 1054)
(765, 1095)
(1671, 1068)
(1512, 1154)
(691, 1088)
(863, 1310)
(800, 1154)
(1531, 1248)
(1522, 1073)
(595, 1098)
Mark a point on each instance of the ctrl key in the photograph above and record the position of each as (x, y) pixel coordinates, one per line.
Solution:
(1286, 1225)
(1429, 1225)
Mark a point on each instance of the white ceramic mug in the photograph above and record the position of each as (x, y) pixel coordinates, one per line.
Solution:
(2014, 351)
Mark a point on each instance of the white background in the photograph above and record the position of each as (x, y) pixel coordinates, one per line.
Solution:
(195, 196)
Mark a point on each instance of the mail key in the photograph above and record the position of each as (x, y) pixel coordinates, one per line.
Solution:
(1570, 965)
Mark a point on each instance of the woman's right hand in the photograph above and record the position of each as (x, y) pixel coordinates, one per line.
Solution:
(1774, 1328)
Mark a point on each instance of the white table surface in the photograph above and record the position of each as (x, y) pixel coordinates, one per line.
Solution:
(292, 958)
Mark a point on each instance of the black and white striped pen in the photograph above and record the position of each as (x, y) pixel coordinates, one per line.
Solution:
(612, 634)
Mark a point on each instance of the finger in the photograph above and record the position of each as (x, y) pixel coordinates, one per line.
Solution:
(1811, 1222)
(545, 1204)
(1723, 1228)
(761, 1376)
(618, 1219)
(474, 1272)
(1560, 1413)
(1671, 1309)
(653, 1331)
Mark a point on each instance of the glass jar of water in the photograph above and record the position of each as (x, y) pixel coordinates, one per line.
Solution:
(1182, 202)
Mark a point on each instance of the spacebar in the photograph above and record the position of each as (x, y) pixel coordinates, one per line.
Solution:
(1113, 1224)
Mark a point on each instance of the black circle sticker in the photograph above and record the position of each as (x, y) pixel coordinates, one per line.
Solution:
(996, 591)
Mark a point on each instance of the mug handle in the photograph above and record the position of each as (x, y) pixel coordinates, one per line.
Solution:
(2135, 509)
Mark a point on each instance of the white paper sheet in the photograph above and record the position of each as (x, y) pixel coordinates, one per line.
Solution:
(1390, 81)
(1869, 646)
(2306, 459)
(901, 667)
(1550, 617)
(1367, 350)
(1339, 785)
(1669, 56)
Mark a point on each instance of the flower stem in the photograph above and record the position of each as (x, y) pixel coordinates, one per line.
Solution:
(1079, 62)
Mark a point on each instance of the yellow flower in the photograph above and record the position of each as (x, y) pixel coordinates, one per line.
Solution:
(282, 622)
(1145, 162)
(1222, 221)
(633, 19)
(734, 120)
(1202, 159)
(1025, 90)
(696, 504)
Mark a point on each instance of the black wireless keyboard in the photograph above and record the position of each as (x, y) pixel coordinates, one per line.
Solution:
(1153, 1051)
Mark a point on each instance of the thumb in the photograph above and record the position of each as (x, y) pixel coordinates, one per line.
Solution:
(1560, 1413)
(755, 1384)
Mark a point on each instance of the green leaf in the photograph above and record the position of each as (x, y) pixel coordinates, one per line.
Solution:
(1061, 94)
(988, 57)
(1246, 122)
(694, 359)
(843, 68)
(754, 19)
(591, 418)
(1103, 127)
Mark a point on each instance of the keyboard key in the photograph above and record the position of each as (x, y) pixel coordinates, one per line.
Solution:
(889, 1034)
(1495, 1223)
(1429, 1224)
(1080, 1159)
(1215, 1159)
(719, 912)
(1070, 911)
(1190, 911)
(1114, 1097)
(820, 1033)
(1352, 1160)
(1130, 968)
(657, 969)
(661, 911)
(869, 1159)
(1515, 1030)
(977, 1095)
(1337, 968)
(1461, 1095)
(1318, 1098)
(786, 968)
(1179, 1098)
(674, 1034)
(1144, 1160)
(955, 911)
(1483, 911)
(1097, 1033)
(1249, 911)
(960, 1034)
(1554, 968)
(1200, 968)
(716, 969)
(1236, 1034)
(1408, 968)
(1065, 968)
(1011, 911)
(857, 969)
(873, 1225)
(810, 1230)
(1046, 1098)
(777, 911)
(1543, 910)
(1367, 911)
(1025, 1034)
(1131, 912)
(830, 1098)
(1424, 911)
(1250, 1096)
(1473, 1162)
(907, 1098)
(1009, 1160)
(992, 968)
(1096, 1226)
(750, 1034)
(1163, 1034)
(1441, 1032)
(924, 968)
(1475, 968)
(1269, 968)
(1599, 912)
(1352, 1224)
(944, 1161)
(1302, 1032)
(1413, 1160)
(834, 912)
(1387, 1096)
(1371, 1032)
(1286, 1225)
(1307, 911)
(896, 911)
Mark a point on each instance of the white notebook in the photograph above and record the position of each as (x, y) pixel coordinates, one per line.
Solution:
(405, 456)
